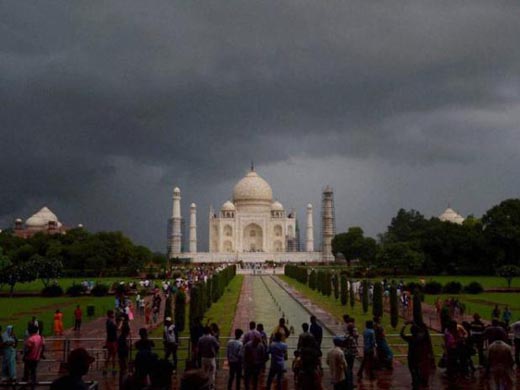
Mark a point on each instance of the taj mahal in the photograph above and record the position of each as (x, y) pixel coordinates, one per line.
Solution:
(253, 227)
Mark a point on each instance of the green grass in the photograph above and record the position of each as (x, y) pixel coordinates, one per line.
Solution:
(483, 303)
(485, 281)
(18, 311)
(65, 283)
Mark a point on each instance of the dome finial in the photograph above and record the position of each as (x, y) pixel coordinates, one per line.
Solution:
(252, 166)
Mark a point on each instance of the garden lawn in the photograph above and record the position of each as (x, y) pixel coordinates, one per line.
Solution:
(65, 283)
(483, 303)
(19, 311)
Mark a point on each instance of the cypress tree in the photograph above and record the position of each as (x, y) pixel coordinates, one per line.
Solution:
(335, 283)
(194, 304)
(377, 305)
(313, 280)
(417, 309)
(343, 290)
(328, 284)
(394, 309)
(352, 295)
(180, 311)
(364, 297)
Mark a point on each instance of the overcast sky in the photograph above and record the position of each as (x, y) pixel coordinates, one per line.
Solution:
(106, 106)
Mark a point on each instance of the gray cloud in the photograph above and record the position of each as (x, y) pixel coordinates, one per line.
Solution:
(106, 106)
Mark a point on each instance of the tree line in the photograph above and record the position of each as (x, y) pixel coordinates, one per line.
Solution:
(413, 243)
(76, 253)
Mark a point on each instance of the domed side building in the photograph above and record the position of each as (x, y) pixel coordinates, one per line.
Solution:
(44, 220)
(251, 226)
(450, 215)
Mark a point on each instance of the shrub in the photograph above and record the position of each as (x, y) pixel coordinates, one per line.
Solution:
(432, 287)
(343, 290)
(413, 287)
(75, 290)
(364, 297)
(54, 290)
(452, 288)
(180, 311)
(99, 290)
(352, 295)
(394, 309)
(473, 288)
(377, 302)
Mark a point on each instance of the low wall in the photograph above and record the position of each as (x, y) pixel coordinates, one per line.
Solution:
(254, 257)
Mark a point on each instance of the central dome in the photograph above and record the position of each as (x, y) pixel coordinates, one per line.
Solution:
(252, 188)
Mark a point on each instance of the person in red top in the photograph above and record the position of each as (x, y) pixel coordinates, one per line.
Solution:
(34, 346)
(78, 315)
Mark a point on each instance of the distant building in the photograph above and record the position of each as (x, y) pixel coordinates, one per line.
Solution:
(44, 221)
(450, 215)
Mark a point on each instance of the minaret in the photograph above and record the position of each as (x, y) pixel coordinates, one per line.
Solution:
(193, 228)
(327, 224)
(309, 239)
(176, 240)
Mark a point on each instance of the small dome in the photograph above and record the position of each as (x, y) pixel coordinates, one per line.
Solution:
(228, 206)
(18, 220)
(252, 188)
(42, 218)
(309, 206)
(193, 206)
(277, 206)
(450, 215)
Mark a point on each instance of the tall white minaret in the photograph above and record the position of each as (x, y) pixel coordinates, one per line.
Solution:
(193, 228)
(176, 224)
(309, 239)
(328, 224)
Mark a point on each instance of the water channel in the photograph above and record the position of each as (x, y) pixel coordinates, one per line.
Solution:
(272, 302)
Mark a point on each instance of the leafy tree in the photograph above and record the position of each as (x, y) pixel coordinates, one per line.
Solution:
(377, 304)
(20, 272)
(335, 284)
(47, 268)
(406, 226)
(354, 245)
(313, 276)
(508, 272)
(400, 255)
(4, 260)
(501, 225)
(343, 289)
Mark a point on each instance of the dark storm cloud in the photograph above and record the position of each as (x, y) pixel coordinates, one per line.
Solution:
(105, 106)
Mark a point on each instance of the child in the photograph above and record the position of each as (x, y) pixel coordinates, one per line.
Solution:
(296, 366)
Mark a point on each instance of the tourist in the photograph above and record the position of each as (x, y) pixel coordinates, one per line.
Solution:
(451, 344)
(170, 338)
(34, 322)
(33, 351)
(495, 314)
(350, 349)
(369, 346)
(515, 328)
(208, 347)
(476, 331)
(501, 363)
(263, 335)
(252, 333)
(316, 330)
(284, 331)
(337, 364)
(383, 352)
(78, 364)
(9, 342)
(195, 380)
(495, 332)
(278, 352)
(196, 332)
(305, 338)
(147, 313)
(420, 353)
(144, 358)
(254, 358)
(110, 342)
(296, 367)
(234, 358)
(123, 352)
(506, 316)
(58, 323)
(78, 315)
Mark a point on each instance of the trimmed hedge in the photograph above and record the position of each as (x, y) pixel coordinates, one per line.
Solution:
(99, 290)
(452, 288)
(433, 288)
(473, 288)
(53, 290)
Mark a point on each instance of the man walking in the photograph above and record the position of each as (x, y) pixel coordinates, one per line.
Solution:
(254, 359)
(111, 342)
(208, 347)
(369, 346)
(234, 357)
(316, 330)
(78, 315)
(515, 328)
(170, 339)
(337, 364)
(278, 351)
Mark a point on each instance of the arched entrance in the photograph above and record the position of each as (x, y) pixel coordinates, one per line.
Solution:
(253, 238)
